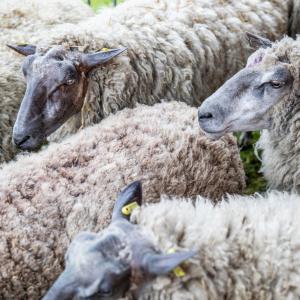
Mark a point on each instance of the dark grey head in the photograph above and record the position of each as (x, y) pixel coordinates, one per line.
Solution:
(56, 87)
(103, 265)
(246, 101)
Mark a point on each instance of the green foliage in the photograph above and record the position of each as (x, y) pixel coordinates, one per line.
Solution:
(99, 3)
(255, 180)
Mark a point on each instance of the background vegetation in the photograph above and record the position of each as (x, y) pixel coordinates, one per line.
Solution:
(99, 3)
(255, 180)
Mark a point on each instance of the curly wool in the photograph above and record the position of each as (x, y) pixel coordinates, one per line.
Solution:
(174, 48)
(48, 197)
(248, 247)
(18, 21)
(9, 74)
(280, 144)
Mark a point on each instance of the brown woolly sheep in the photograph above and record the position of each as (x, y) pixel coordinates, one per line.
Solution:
(45, 198)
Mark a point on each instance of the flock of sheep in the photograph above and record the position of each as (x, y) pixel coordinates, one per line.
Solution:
(134, 75)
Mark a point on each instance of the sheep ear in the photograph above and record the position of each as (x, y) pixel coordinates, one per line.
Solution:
(130, 197)
(64, 287)
(257, 41)
(160, 264)
(23, 49)
(93, 60)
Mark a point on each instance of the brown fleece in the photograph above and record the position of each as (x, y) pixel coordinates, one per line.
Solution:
(46, 198)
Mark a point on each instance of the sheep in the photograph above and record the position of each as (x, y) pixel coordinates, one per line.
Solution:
(242, 248)
(44, 195)
(173, 50)
(263, 96)
(18, 21)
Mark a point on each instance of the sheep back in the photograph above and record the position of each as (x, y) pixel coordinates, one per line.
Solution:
(48, 197)
(248, 247)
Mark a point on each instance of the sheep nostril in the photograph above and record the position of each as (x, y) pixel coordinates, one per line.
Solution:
(19, 141)
(203, 116)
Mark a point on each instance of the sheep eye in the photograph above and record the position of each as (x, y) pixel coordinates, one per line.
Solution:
(59, 57)
(24, 72)
(70, 81)
(101, 293)
(276, 84)
(105, 292)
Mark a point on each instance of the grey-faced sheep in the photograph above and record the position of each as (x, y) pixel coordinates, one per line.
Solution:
(46, 197)
(19, 21)
(173, 50)
(263, 96)
(242, 248)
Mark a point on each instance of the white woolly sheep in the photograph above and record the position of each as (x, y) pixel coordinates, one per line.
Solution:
(264, 96)
(173, 50)
(19, 20)
(43, 196)
(242, 248)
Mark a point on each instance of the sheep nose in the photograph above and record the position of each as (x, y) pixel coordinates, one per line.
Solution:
(20, 139)
(203, 116)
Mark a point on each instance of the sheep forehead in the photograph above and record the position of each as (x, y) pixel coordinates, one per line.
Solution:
(50, 50)
(78, 252)
(263, 59)
(286, 50)
(45, 55)
(255, 58)
(43, 65)
(83, 246)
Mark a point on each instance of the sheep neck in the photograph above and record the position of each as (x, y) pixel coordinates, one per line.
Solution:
(281, 147)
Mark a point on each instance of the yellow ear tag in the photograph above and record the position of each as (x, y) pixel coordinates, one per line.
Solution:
(178, 271)
(127, 209)
(104, 49)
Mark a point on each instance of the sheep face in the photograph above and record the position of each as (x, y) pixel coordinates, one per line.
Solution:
(97, 267)
(56, 87)
(246, 101)
(102, 266)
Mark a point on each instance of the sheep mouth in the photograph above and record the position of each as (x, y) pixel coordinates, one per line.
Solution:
(31, 144)
(214, 131)
(215, 134)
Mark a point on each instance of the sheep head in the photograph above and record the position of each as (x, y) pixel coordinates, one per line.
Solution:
(102, 266)
(247, 101)
(57, 83)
